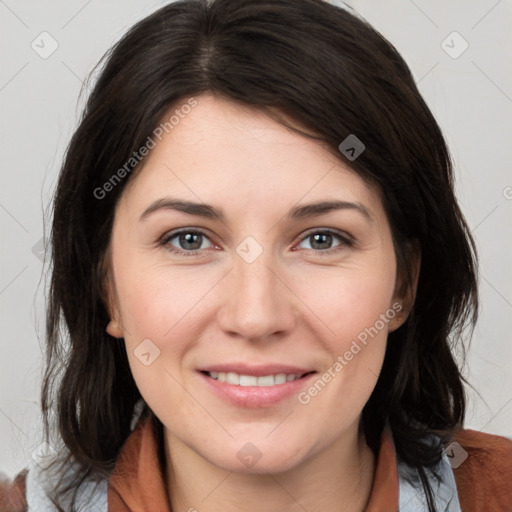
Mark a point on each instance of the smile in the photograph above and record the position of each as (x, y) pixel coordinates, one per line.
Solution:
(251, 380)
(255, 391)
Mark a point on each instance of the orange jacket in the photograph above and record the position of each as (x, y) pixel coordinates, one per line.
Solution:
(483, 479)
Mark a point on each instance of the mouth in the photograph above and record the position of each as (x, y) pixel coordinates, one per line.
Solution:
(256, 387)
(236, 379)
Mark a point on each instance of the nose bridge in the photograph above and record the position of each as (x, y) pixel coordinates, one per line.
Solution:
(257, 304)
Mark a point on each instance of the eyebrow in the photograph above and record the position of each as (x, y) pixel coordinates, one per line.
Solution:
(210, 212)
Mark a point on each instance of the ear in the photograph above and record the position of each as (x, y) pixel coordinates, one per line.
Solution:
(114, 327)
(406, 286)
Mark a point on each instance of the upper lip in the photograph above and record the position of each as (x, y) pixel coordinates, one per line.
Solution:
(256, 370)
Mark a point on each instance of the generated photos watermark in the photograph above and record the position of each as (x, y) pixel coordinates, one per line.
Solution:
(136, 157)
(363, 338)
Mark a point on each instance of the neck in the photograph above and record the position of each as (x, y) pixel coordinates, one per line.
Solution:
(337, 478)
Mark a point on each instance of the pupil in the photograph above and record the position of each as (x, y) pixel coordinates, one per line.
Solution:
(190, 240)
(321, 241)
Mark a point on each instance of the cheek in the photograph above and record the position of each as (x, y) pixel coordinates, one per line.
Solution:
(352, 313)
(155, 298)
(346, 301)
(162, 318)
(162, 309)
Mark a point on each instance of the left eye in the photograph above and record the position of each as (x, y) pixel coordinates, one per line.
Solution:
(323, 240)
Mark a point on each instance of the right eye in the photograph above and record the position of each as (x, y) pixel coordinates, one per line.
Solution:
(187, 242)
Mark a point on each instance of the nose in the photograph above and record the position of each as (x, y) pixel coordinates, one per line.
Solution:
(258, 302)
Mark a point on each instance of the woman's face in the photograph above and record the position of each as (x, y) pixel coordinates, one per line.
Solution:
(285, 266)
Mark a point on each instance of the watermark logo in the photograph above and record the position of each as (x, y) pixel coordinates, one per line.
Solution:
(455, 454)
(39, 249)
(44, 45)
(249, 455)
(147, 352)
(249, 249)
(351, 147)
(454, 45)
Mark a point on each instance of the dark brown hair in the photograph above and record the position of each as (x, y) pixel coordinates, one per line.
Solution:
(329, 71)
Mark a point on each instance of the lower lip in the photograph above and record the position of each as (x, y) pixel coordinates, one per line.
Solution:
(256, 396)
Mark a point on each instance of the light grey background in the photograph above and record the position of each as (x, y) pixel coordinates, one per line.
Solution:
(471, 97)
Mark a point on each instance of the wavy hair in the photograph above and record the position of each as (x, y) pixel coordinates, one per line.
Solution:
(328, 70)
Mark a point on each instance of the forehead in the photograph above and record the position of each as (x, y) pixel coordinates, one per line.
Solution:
(222, 152)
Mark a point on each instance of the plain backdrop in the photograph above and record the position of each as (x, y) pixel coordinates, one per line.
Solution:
(465, 78)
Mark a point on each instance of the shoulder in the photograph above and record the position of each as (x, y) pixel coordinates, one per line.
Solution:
(12, 493)
(32, 489)
(482, 466)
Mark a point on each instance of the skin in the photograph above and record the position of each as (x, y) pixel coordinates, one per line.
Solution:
(292, 305)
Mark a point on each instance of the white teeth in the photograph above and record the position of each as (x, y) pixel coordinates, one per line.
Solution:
(251, 380)
(267, 380)
(280, 378)
(232, 378)
(248, 380)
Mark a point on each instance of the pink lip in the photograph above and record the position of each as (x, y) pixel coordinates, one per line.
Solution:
(255, 370)
(256, 396)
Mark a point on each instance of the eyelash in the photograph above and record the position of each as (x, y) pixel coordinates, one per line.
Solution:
(345, 239)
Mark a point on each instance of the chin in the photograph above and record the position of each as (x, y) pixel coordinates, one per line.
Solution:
(249, 459)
